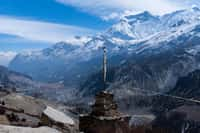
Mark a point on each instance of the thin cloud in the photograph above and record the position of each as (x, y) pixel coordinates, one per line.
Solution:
(6, 57)
(109, 8)
(40, 31)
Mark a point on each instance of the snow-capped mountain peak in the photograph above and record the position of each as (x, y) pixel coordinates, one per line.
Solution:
(64, 45)
(132, 34)
(181, 18)
(121, 30)
(134, 27)
(141, 17)
(195, 8)
(143, 25)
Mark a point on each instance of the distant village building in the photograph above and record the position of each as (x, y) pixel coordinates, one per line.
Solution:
(104, 118)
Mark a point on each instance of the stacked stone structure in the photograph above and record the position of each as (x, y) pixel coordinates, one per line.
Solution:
(104, 118)
(105, 105)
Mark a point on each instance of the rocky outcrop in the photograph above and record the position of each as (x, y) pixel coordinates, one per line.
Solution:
(19, 110)
(188, 86)
(25, 104)
(54, 118)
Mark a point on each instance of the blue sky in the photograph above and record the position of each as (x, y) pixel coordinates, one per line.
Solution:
(37, 24)
(50, 11)
(47, 11)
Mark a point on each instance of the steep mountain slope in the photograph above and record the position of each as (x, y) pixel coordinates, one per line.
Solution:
(45, 64)
(7, 77)
(155, 64)
(151, 52)
(188, 86)
(61, 65)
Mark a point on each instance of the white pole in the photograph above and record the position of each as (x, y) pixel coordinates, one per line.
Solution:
(104, 66)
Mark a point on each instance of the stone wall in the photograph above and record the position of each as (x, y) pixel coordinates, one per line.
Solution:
(89, 124)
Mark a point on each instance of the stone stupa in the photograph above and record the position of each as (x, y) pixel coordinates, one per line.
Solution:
(104, 117)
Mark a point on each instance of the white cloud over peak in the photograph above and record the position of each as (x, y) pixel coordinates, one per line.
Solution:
(6, 57)
(109, 8)
(40, 31)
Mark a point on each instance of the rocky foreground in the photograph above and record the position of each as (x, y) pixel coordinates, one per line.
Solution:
(106, 118)
(24, 114)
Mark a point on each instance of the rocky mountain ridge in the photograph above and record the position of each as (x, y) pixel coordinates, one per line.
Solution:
(145, 51)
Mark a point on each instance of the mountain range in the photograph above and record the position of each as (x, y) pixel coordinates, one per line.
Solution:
(145, 52)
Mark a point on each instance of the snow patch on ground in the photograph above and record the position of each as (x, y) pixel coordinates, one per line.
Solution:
(58, 116)
(13, 129)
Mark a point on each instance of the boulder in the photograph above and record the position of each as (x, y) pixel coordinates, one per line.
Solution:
(55, 118)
